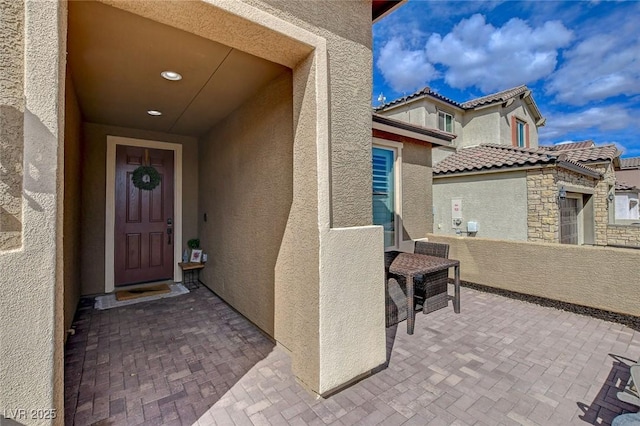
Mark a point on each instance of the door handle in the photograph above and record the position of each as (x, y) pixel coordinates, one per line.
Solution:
(169, 231)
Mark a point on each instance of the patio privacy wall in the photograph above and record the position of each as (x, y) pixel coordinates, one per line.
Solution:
(598, 277)
(94, 194)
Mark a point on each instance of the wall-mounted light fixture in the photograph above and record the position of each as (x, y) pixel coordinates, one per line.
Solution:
(611, 197)
(562, 194)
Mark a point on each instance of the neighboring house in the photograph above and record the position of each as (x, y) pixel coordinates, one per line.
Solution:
(550, 194)
(627, 203)
(510, 117)
(267, 137)
(629, 171)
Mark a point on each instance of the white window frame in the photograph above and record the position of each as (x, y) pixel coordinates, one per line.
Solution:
(444, 121)
(396, 147)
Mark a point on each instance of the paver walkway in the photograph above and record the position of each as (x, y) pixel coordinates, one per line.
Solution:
(193, 359)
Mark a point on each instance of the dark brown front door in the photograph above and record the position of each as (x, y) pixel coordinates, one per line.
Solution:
(144, 218)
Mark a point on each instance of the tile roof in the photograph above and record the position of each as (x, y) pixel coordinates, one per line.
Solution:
(502, 96)
(492, 156)
(595, 153)
(495, 97)
(570, 145)
(623, 186)
(584, 151)
(630, 163)
(422, 92)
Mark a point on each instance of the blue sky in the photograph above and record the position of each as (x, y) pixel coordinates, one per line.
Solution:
(580, 59)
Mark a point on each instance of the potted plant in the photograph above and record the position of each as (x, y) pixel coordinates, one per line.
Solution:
(193, 244)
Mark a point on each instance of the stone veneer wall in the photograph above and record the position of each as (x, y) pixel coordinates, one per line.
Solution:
(542, 202)
(542, 206)
(601, 203)
(623, 235)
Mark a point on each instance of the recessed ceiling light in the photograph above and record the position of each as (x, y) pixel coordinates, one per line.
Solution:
(171, 75)
(154, 112)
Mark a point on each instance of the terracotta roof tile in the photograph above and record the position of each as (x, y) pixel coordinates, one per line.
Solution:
(421, 92)
(630, 163)
(570, 145)
(595, 153)
(495, 97)
(490, 156)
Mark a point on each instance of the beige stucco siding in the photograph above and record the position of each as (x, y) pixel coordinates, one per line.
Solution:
(31, 293)
(521, 112)
(246, 166)
(93, 195)
(11, 122)
(483, 126)
(629, 176)
(417, 214)
(599, 277)
(496, 201)
(346, 26)
(72, 201)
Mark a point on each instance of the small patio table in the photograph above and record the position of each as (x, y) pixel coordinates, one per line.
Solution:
(409, 265)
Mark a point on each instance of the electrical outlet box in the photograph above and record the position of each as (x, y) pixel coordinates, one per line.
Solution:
(472, 226)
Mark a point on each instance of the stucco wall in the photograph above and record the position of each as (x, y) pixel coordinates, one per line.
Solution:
(93, 195)
(497, 201)
(11, 122)
(246, 166)
(630, 176)
(72, 201)
(31, 293)
(417, 194)
(599, 277)
(481, 126)
(521, 112)
(346, 26)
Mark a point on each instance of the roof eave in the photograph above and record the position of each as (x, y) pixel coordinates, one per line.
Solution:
(423, 134)
(381, 8)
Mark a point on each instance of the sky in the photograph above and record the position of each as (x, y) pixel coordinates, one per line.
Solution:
(581, 59)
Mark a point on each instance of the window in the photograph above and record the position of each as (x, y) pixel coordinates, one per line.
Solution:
(445, 121)
(385, 208)
(519, 133)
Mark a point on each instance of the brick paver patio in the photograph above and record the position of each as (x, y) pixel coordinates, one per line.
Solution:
(193, 359)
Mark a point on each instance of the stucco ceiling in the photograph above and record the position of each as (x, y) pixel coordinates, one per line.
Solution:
(116, 58)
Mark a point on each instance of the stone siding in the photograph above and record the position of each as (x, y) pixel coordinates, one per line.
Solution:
(543, 216)
(542, 206)
(623, 235)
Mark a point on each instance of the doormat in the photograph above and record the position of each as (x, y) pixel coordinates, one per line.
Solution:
(109, 301)
(142, 292)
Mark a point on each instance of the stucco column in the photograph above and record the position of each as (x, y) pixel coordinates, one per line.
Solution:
(31, 338)
(11, 122)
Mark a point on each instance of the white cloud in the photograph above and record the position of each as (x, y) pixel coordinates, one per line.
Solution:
(600, 67)
(607, 118)
(478, 54)
(404, 69)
